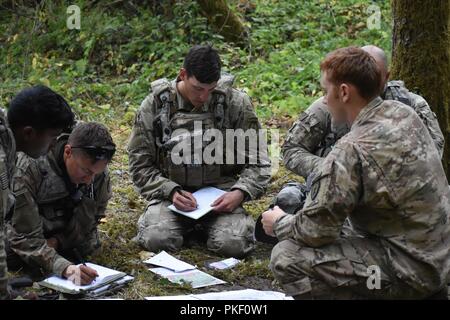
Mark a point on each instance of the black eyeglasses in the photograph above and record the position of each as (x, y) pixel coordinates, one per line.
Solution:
(99, 153)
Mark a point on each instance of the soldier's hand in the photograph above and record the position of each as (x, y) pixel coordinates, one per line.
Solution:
(229, 201)
(184, 201)
(53, 243)
(268, 219)
(80, 275)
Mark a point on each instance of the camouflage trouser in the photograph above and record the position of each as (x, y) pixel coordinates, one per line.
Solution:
(227, 234)
(337, 271)
(3, 268)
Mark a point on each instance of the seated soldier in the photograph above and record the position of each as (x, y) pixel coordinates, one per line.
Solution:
(385, 176)
(36, 117)
(198, 97)
(60, 199)
(315, 133)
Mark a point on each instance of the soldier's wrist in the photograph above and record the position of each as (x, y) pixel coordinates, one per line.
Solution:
(174, 191)
(245, 195)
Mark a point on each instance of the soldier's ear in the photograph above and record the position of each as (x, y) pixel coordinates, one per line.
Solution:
(344, 92)
(183, 74)
(67, 151)
(28, 133)
(388, 74)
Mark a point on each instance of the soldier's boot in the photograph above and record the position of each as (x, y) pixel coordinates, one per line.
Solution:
(290, 199)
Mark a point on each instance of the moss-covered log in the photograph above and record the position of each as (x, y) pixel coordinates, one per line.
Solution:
(224, 20)
(421, 56)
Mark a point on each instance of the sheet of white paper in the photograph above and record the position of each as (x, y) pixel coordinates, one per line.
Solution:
(103, 274)
(247, 294)
(205, 197)
(196, 278)
(165, 260)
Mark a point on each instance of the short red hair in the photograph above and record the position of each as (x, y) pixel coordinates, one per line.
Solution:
(355, 66)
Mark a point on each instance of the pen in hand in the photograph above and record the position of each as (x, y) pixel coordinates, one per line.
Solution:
(87, 273)
(184, 201)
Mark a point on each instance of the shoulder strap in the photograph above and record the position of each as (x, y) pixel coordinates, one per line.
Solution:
(396, 90)
(224, 85)
(164, 96)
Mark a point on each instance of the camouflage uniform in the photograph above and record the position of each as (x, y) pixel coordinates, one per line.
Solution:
(155, 178)
(49, 205)
(7, 165)
(385, 176)
(314, 134)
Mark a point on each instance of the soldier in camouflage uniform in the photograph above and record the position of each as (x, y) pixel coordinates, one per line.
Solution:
(60, 199)
(314, 134)
(386, 177)
(197, 96)
(35, 117)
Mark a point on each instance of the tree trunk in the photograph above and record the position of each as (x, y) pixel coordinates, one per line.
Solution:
(224, 20)
(421, 56)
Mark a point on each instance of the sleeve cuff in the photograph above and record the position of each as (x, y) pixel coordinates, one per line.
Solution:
(167, 189)
(247, 193)
(60, 265)
(283, 227)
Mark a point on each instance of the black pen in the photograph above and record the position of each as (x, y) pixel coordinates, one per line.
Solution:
(79, 257)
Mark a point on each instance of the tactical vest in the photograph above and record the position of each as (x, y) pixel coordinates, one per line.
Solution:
(56, 204)
(395, 90)
(169, 119)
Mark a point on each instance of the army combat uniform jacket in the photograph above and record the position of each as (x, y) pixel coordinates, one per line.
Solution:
(49, 205)
(386, 177)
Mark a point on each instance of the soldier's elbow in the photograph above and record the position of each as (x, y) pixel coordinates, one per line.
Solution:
(318, 240)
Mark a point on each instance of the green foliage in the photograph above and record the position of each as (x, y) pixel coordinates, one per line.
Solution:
(105, 68)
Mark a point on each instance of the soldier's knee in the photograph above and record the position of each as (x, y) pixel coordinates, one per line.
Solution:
(155, 238)
(230, 245)
(283, 257)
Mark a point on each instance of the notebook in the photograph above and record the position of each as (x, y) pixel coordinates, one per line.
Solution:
(105, 277)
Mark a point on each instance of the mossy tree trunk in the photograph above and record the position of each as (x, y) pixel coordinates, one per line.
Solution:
(224, 20)
(421, 56)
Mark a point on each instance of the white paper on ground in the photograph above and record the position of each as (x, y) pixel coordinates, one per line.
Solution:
(165, 260)
(246, 294)
(205, 197)
(195, 277)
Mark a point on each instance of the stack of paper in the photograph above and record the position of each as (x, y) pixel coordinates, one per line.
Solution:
(177, 271)
(106, 278)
